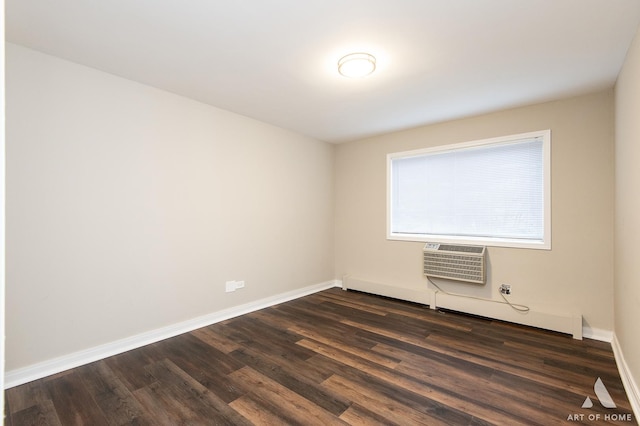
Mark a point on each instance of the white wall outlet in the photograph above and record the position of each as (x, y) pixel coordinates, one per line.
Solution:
(505, 289)
(233, 285)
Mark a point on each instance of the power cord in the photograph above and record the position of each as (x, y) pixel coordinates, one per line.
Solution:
(515, 306)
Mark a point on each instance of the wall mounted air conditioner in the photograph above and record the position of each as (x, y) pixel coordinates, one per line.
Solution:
(455, 262)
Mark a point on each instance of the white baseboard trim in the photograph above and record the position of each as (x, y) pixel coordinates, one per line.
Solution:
(597, 334)
(53, 366)
(630, 385)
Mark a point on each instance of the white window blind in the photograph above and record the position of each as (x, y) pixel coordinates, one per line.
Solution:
(495, 190)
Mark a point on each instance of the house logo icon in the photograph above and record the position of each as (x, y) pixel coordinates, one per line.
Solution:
(603, 396)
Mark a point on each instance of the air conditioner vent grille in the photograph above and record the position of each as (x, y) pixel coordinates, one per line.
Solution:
(464, 249)
(461, 263)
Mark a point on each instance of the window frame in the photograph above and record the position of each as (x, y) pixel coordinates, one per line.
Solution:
(544, 244)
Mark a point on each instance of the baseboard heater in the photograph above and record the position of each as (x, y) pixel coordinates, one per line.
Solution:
(561, 320)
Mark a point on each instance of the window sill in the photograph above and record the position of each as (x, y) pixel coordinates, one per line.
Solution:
(478, 241)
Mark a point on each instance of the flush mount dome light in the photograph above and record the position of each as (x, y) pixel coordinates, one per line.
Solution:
(356, 65)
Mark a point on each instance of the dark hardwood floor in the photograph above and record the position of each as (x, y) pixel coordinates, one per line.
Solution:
(333, 358)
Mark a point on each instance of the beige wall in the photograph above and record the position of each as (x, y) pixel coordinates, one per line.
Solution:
(128, 208)
(577, 272)
(2, 208)
(627, 207)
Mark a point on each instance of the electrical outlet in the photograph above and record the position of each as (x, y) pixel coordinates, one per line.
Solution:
(505, 289)
(233, 285)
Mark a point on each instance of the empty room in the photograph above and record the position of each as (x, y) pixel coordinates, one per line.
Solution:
(411, 212)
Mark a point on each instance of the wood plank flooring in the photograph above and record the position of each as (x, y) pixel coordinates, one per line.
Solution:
(337, 358)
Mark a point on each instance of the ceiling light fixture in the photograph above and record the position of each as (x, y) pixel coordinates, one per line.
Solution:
(356, 65)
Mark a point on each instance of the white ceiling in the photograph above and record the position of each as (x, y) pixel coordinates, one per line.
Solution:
(275, 60)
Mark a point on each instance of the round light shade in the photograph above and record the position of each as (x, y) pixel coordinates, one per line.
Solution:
(355, 65)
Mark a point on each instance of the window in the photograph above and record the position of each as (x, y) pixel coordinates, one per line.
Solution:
(492, 192)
